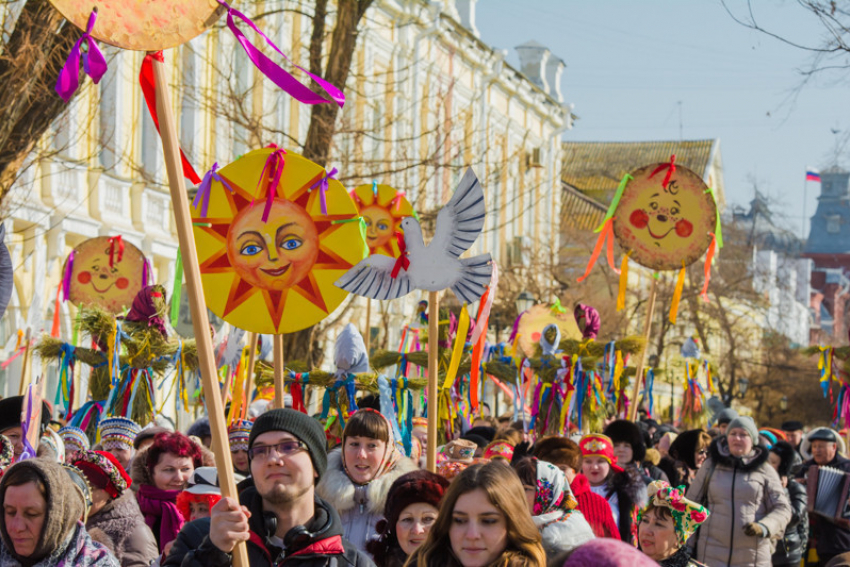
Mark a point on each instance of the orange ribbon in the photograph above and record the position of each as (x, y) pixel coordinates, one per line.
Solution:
(709, 256)
(607, 233)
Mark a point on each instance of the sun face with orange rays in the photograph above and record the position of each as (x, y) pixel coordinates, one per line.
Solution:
(382, 208)
(277, 276)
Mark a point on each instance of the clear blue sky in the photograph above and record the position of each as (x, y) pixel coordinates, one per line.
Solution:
(630, 62)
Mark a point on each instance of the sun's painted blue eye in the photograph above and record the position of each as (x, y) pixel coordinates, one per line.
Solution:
(291, 244)
(250, 250)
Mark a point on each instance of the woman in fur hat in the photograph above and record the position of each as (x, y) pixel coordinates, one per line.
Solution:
(686, 455)
(413, 503)
(360, 474)
(40, 525)
(115, 511)
(630, 448)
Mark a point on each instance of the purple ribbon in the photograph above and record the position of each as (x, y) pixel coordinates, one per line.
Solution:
(204, 189)
(323, 188)
(28, 452)
(94, 64)
(274, 164)
(66, 278)
(275, 72)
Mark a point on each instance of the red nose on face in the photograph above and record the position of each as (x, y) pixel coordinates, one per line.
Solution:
(684, 228)
(639, 218)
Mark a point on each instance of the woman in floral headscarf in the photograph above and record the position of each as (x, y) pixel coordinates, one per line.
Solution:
(666, 523)
(553, 507)
(360, 474)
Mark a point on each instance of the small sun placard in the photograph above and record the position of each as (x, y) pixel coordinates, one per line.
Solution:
(105, 272)
(382, 208)
(277, 275)
(665, 226)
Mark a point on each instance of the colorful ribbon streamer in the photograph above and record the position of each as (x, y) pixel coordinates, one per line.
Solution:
(671, 169)
(116, 248)
(677, 295)
(457, 352)
(322, 185)
(274, 165)
(94, 64)
(709, 257)
(177, 291)
(606, 234)
(402, 262)
(205, 188)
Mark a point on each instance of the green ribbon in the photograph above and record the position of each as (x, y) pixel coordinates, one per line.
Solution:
(557, 307)
(362, 222)
(178, 287)
(718, 235)
(616, 201)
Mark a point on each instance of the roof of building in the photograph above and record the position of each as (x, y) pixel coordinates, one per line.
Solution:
(596, 168)
(580, 211)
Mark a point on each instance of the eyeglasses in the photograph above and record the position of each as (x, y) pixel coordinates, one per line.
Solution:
(284, 449)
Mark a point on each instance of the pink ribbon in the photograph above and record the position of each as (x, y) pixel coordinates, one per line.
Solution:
(323, 188)
(205, 188)
(94, 64)
(274, 165)
(397, 199)
(275, 72)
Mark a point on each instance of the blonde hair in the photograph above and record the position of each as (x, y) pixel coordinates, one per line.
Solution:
(504, 491)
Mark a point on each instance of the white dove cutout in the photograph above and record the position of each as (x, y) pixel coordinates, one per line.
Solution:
(437, 266)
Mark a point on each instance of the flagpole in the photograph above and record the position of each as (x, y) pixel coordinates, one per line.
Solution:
(805, 190)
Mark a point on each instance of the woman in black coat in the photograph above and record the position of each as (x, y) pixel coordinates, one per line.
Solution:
(789, 550)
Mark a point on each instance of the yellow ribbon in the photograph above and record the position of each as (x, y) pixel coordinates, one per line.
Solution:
(624, 281)
(677, 295)
(457, 352)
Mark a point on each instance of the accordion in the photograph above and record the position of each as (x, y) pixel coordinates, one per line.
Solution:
(828, 490)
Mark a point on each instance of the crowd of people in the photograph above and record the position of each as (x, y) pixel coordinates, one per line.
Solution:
(636, 493)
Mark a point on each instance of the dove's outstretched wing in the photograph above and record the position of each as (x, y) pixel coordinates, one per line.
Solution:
(372, 277)
(460, 222)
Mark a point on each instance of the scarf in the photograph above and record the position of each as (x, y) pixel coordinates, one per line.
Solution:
(679, 559)
(161, 505)
(148, 307)
(553, 490)
(391, 453)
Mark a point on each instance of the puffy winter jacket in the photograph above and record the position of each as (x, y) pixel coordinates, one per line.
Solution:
(738, 491)
(831, 538)
(562, 531)
(193, 547)
(789, 549)
(128, 536)
(360, 508)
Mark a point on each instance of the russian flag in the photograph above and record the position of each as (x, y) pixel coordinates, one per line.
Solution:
(812, 175)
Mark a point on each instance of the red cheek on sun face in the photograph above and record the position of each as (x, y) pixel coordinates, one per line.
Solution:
(684, 228)
(122, 283)
(639, 219)
(84, 277)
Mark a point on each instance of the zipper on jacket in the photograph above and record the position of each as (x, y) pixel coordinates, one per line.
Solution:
(732, 530)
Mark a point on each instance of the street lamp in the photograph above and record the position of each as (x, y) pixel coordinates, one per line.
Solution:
(743, 384)
(525, 301)
(783, 403)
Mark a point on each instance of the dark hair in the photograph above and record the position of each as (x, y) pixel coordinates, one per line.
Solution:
(175, 443)
(787, 457)
(18, 476)
(662, 512)
(367, 424)
(558, 451)
(526, 469)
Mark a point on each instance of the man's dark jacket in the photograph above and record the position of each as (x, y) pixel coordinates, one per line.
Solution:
(831, 538)
(328, 548)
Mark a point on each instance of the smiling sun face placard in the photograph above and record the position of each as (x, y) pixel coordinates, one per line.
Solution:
(275, 276)
(105, 273)
(382, 208)
(665, 228)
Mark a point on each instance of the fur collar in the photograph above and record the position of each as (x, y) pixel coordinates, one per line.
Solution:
(117, 520)
(719, 452)
(338, 490)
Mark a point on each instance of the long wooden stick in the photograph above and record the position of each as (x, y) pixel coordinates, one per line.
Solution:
(278, 371)
(200, 320)
(249, 376)
(25, 364)
(433, 402)
(368, 335)
(650, 311)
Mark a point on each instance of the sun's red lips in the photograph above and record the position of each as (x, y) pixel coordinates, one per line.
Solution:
(278, 272)
(102, 290)
(655, 236)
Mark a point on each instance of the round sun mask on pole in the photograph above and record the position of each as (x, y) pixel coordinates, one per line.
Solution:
(382, 208)
(665, 227)
(275, 276)
(143, 25)
(104, 272)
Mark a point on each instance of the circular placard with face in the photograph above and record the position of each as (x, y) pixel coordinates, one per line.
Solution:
(143, 25)
(665, 228)
(105, 273)
(276, 276)
(382, 208)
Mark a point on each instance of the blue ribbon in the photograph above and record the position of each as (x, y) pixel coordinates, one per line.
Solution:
(388, 409)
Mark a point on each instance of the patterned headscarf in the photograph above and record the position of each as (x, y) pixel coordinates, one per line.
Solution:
(499, 450)
(687, 515)
(391, 452)
(553, 490)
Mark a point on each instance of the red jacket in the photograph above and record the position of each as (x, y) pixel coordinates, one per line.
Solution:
(595, 508)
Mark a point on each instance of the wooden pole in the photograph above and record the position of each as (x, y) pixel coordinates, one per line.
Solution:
(433, 402)
(650, 311)
(278, 372)
(200, 319)
(368, 335)
(25, 363)
(249, 376)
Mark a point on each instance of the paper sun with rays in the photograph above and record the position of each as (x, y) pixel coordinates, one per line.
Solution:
(382, 208)
(437, 266)
(276, 276)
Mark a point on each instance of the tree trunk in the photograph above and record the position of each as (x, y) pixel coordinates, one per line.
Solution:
(303, 345)
(29, 65)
